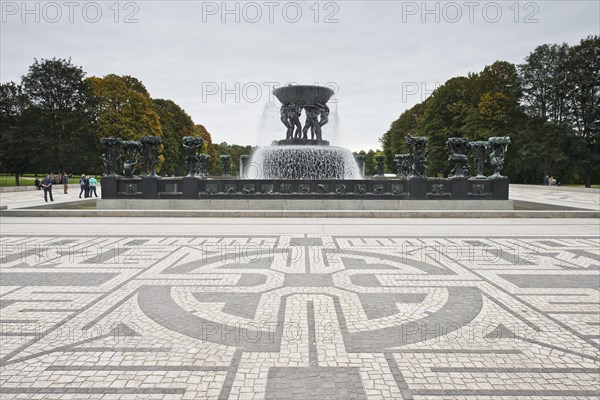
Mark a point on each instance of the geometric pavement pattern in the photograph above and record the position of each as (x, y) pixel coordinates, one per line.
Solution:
(299, 316)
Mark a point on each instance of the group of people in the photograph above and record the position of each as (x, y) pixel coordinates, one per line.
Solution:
(54, 180)
(87, 185)
(550, 181)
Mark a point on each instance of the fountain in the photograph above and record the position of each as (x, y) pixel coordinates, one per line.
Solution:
(298, 156)
(303, 166)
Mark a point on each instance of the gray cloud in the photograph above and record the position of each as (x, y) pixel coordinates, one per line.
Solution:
(374, 50)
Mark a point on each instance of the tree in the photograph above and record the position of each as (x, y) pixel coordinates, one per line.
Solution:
(498, 95)
(208, 148)
(394, 140)
(583, 81)
(369, 160)
(443, 118)
(477, 107)
(543, 147)
(175, 124)
(125, 108)
(61, 115)
(545, 87)
(562, 87)
(16, 153)
(234, 151)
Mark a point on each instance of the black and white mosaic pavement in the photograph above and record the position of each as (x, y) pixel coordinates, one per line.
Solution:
(299, 316)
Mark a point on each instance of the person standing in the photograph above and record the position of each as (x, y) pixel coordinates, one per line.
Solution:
(93, 183)
(82, 185)
(47, 186)
(64, 179)
(86, 184)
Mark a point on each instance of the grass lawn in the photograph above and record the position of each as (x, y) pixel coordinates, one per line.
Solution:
(9, 180)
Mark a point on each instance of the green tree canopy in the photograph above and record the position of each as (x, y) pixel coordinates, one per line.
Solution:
(583, 83)
(125, 108)
(544, 82)
(175, 124)
(52, 120)
(209, 148)
(15, 153)
(549, 106)
(60, 116)
(235, 152)
(370, 162)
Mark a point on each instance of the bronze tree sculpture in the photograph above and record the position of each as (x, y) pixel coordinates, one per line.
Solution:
(499, 146)
(225, 165)
(203, 163)
(403, 164)
(150, 152)
(459, 148)
(132, 149)
(480, 150)
(380, 160)
(418, 154)
(112, 154)
(191, 144)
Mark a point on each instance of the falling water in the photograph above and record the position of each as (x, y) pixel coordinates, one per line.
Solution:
(334, 123)
(303, 162)
(270, 123)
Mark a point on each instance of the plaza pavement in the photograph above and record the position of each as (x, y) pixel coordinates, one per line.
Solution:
(176, 308)
(33, 198)
(584, 198)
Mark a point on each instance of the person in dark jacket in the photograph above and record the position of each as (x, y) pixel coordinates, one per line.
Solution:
(64, 179)
(47, 186)
(82, 185)
(86, 186)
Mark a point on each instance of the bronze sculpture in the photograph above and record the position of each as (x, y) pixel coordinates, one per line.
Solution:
(132, 149)
(499, 146)
(459, 148)
(418, 149)
(112, 154)
(191, 145)
(150, 152)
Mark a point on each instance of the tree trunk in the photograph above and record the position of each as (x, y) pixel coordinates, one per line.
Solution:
(17, 180)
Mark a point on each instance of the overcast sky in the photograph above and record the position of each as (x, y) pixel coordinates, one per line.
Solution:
(381, 57)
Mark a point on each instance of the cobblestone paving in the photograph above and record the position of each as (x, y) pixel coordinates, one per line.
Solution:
(299, 316)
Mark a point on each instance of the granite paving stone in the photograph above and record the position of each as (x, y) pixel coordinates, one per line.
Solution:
(299, 310)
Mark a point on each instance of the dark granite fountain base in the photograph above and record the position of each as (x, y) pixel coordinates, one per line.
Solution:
(411, 188)
(302, 141)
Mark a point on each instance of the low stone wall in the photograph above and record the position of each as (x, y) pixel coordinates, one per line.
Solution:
(303, 204)
(35, 213)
